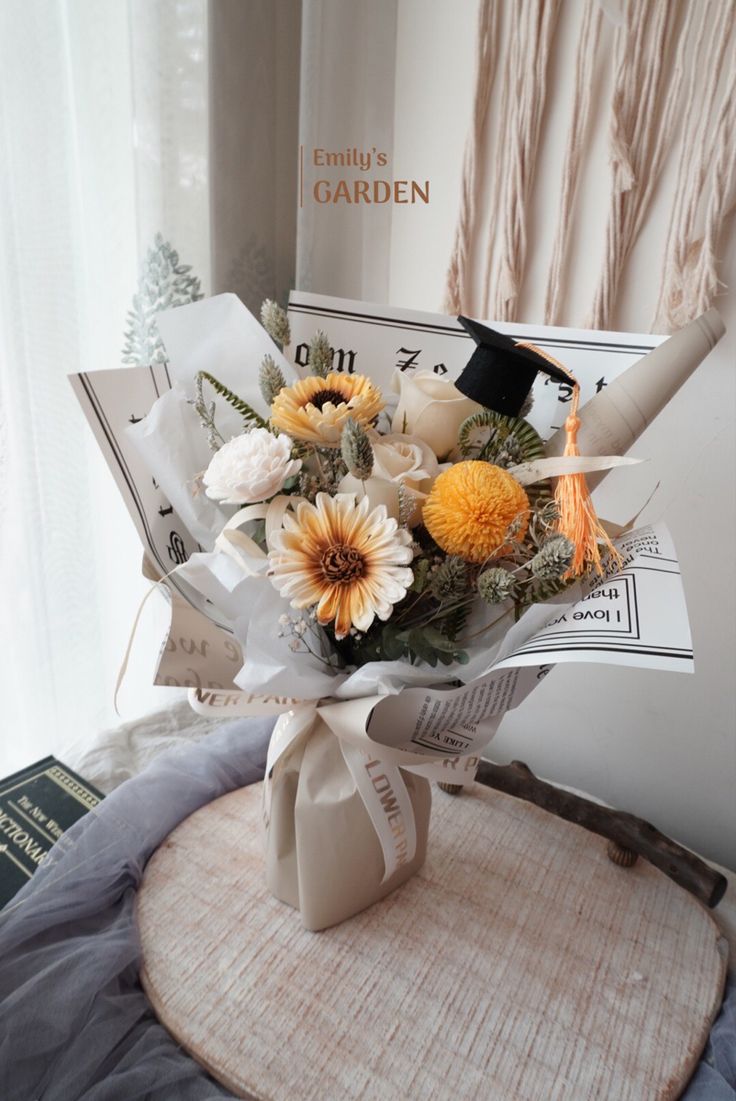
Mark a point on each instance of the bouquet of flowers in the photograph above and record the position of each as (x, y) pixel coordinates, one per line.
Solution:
(378, 556)
(395, 529)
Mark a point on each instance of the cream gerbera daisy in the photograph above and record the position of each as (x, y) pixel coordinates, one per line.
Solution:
(350, 562)
(315, 409)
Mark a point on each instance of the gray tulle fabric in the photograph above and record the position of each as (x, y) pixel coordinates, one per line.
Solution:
(74, 1023)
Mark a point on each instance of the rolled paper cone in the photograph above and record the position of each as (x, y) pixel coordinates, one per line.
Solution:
(615, 418)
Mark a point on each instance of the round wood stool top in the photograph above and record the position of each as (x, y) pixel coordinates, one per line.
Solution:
(520, 964)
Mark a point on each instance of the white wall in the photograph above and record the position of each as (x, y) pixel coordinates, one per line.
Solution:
(660, 745)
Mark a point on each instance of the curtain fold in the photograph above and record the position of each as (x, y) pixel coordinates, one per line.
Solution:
(348, 65)
(254, 52)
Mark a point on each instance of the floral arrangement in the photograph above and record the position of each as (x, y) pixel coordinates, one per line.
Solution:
(371, 565)
(410, 535)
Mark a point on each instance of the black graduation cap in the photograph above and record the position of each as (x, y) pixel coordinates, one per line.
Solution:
(500, 374)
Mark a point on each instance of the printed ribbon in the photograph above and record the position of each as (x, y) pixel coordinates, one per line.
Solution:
(375, 768)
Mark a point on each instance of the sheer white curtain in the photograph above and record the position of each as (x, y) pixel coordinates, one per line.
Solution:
(348, 75)
(106, 117)
(103, 143)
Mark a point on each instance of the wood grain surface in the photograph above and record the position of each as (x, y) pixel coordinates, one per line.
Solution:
(519, 965)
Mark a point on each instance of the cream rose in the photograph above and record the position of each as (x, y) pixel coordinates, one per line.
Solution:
(397, 459)
(433, 409)
(250, 468)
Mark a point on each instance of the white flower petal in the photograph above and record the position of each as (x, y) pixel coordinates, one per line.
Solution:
(250, 468)
(303, 570)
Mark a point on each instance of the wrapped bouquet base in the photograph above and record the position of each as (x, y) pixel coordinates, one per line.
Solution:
(323, 854)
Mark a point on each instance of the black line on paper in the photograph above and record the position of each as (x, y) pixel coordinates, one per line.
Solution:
(449, 330)
(127, 476)
(671, 652)
(153, 379)
(451, 752)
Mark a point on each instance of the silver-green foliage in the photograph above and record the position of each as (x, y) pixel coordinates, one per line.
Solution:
(163, 283)
(495, 585)
(320, 354)
(356, 449)
(553, 560)
(450, 579)
(275, 321)
(271, 380)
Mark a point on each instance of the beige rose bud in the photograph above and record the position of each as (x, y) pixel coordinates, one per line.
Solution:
(397, 459)
(432, 409)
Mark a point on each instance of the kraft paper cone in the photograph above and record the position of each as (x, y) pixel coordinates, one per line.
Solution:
(615, 418)
(323, 856)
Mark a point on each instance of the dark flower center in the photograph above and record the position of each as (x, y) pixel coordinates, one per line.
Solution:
(342, 564)
(321, 398)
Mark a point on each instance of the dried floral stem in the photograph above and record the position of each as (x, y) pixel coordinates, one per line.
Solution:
(246, 411)
(206, 414)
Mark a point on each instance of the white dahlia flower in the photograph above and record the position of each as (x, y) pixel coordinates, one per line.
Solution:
(250, 468)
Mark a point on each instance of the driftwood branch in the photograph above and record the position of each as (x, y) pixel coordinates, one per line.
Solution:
(626, 830)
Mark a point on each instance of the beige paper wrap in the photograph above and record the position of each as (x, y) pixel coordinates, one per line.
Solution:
(323, 856)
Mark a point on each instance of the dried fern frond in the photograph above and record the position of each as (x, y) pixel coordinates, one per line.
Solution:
(249, 415)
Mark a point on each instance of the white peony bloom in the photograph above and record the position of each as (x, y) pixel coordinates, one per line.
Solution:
(397, 459)
(250, 468)
(433, 409)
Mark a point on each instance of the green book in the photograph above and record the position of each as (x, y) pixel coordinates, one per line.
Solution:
(37, 806)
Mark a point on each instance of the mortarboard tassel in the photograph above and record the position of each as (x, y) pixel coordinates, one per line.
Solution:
(577, 518)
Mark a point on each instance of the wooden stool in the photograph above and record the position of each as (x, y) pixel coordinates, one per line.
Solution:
(520, 964)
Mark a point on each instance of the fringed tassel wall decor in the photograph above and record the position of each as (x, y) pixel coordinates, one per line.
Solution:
(646, 97)
(585, 64)
(705, 189)
(673, 73)
(458, 292)
(532, 35)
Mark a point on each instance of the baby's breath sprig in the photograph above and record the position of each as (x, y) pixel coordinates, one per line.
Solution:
(305, 636)
(407, 504)
(310, 485)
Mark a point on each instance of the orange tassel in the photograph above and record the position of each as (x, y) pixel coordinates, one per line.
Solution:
(577, 518)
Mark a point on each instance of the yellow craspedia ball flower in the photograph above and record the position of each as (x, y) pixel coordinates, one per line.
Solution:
(471, 507)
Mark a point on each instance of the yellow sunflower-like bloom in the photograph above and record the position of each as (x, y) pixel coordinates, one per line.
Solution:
(349, 561)
(315, 409)
(471, 507)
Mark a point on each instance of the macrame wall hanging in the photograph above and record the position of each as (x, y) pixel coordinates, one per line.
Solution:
(669, 69)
